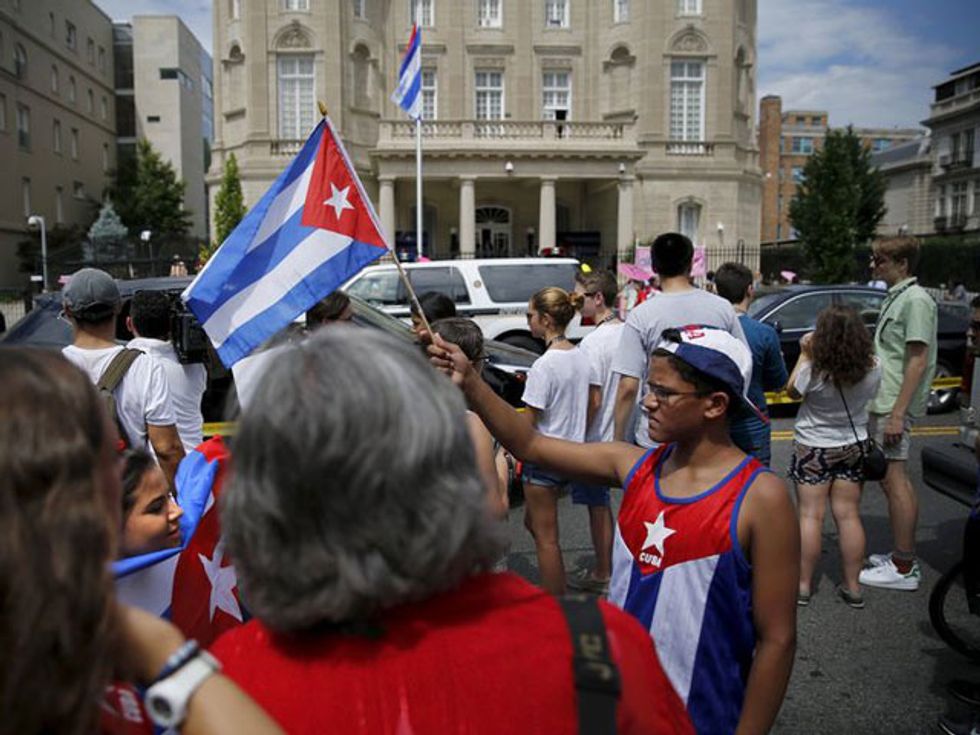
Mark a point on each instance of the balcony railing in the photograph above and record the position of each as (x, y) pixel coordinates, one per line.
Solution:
(690, 148)
(285, 147)
(450, 131)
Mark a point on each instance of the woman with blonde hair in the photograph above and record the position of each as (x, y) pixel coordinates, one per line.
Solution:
(836, 377)
(561, 394)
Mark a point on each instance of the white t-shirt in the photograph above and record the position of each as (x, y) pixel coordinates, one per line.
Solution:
(822, 420)
(600, 345)
(558, 386)
(142, 398)
(186, 383)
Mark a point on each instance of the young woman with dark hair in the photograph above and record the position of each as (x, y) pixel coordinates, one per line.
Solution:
(836, 377)
(151, 516)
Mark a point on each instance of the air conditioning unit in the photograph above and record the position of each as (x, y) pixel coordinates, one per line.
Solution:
(945, 160)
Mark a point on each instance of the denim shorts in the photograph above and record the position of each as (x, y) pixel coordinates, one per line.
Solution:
(537, 475)
(594, 496)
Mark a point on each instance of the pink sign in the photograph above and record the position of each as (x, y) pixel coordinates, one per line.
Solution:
(699, 266)
(642, 257)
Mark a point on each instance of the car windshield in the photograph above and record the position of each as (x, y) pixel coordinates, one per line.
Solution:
(763, 302)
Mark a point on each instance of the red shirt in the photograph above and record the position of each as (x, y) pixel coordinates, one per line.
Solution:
(492, 656)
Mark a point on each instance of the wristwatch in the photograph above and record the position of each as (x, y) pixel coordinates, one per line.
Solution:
(166, 699)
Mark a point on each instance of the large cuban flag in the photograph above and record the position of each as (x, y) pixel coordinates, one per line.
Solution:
(306, 236)
(194, 585)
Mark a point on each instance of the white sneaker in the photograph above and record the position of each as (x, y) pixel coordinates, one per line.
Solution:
(886, 576)
(876, 560)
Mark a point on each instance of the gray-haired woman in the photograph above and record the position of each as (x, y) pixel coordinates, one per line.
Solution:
(360, 532)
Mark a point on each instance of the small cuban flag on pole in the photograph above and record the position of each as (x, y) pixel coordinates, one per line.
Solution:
(408, 96)
(312, 230)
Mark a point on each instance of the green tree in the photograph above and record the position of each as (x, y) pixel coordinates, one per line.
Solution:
(838, 205)
(149, 196)
(229, 205)
(109, 235)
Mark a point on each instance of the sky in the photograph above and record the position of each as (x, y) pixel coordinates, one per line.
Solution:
(871, 63)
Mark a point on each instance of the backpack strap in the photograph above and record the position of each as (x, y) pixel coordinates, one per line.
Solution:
(597, 680)
(116, 370)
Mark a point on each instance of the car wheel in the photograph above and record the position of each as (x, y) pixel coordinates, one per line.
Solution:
(941, 401)
(525, 342)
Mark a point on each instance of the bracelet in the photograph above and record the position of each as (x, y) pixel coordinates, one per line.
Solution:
(178, 659)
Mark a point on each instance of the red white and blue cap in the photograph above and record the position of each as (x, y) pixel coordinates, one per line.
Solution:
(715, 353)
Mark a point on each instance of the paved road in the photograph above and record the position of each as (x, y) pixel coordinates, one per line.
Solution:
(877, 670)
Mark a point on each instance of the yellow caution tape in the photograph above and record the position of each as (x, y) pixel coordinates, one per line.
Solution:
(776, 398)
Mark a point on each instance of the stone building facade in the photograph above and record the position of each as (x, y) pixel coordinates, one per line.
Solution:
(571, 125)
(57, 118)
(787, 138)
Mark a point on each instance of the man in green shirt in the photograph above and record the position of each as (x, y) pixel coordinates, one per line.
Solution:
(905, 343)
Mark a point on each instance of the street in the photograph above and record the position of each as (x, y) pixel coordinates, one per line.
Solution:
(877, 670)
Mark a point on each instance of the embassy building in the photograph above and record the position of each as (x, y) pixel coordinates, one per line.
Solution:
(568, 126)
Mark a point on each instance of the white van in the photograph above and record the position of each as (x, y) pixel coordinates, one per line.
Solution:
(493, 291)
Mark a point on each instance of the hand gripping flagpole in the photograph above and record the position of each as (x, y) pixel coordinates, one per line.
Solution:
(398, 264)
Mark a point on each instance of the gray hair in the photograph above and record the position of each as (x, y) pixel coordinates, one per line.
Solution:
(355, 485)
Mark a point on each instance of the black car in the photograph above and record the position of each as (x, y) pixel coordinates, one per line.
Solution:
(793, 311)
(505, 369)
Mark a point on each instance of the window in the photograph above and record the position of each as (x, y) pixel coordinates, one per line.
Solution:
(297, 4)
(104, 108)
(20, 61)
(430, 95)
(489, 95)
(296, 102)
(448, 281)
(556, 88)
(689, 220)
(800, 313)
(78, 190)
(954, 147)
(802, 145)
(420, 12)
(488, 14)
(816, 121)
(54, 79)
(359, 9)
(72, 90)
(235, 9)
(687, 100)
(798, 176)
(101, 59)
(24, 127)
(508, 283)
(3, 113)
(689, 7)
(73, 144)
(90, 51)
(56, 137)
(382, 289)
(968, 136)
(25, 195)
(941, 201)
(90, 103)
(621, 11)
(958, 201)
(59, 204)
(880, 144)
(976, 184)
(153, 118)
(556, 13)
(71, 36)
(105, 157)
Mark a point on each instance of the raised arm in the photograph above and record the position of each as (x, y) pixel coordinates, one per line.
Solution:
(599, 463)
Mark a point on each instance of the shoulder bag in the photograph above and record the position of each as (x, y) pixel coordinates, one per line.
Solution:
(874, 465)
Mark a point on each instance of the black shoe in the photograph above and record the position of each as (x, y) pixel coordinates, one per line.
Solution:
(965, 691)
(952, 727)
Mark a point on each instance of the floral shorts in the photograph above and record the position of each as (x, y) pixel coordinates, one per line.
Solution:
(817, 465)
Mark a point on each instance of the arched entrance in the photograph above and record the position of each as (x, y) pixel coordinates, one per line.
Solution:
(493, 232)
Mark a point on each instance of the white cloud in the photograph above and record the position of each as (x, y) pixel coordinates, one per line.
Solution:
(859, 63)
(196, 14)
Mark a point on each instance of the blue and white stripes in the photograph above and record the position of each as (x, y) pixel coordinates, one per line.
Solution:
(408, 93)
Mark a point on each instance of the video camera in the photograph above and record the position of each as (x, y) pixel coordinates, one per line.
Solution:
(186, 333)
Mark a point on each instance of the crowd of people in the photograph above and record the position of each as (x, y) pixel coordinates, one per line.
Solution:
(364, 513)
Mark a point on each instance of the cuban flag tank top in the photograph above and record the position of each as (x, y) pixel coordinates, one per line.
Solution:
(679, 569)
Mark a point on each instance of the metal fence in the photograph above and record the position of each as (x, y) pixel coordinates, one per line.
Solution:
(714, 256)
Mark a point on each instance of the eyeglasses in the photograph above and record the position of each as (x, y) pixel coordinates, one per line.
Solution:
(663, 395)
(877, 258)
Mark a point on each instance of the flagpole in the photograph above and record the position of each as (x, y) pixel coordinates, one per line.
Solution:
(401, 271)
(418, 187)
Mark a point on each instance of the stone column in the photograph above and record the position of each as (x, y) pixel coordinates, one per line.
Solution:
(387, 206)
(467, 218)
(546, 215)
(624, 218)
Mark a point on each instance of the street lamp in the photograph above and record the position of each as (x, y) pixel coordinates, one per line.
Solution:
(36, 220)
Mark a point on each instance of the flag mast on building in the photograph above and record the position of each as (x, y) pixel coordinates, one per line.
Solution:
(408, 96)
(309, 233)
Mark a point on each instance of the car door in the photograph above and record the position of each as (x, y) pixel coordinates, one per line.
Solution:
(794, 317)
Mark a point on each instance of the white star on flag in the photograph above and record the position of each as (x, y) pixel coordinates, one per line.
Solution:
(223, 582)
(657, 533)
(338, 200)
